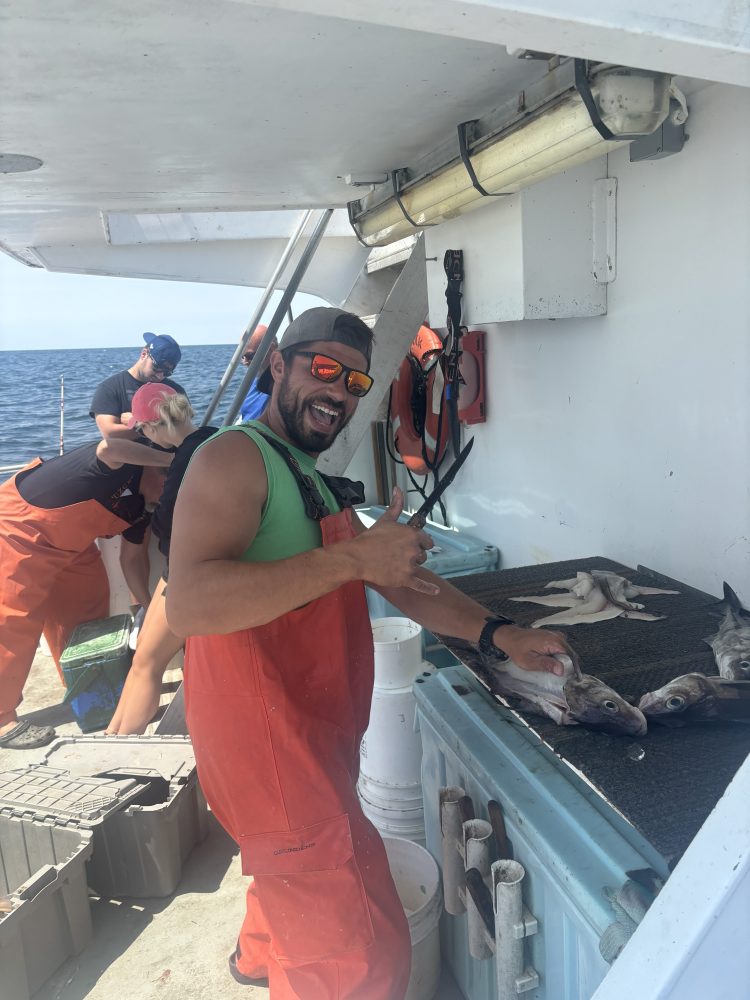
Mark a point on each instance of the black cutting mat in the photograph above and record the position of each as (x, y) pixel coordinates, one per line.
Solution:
(667, 791)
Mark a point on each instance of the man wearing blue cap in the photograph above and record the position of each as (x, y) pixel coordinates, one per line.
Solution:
(110, 406)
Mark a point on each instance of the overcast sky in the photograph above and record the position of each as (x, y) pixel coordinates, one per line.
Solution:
(39, 309)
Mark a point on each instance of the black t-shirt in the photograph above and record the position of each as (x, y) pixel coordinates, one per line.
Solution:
(79, 475)
(161, 523)
(114, 395)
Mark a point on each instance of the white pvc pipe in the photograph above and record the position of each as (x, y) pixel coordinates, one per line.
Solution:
(390, 782)
(398, 652)
(478, 836)
(507, 877)
(454, 873)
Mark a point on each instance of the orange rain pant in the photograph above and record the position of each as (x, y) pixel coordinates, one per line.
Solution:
(276, 715)
(51, 579)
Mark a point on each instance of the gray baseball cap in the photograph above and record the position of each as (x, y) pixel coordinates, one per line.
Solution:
(322, 323)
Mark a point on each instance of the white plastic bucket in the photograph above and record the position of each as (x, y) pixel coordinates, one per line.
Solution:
(417, 879)
(393, 818)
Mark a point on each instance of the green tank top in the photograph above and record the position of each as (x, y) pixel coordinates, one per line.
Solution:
(285, 529)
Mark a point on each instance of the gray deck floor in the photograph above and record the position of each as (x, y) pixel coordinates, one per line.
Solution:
(171, 949)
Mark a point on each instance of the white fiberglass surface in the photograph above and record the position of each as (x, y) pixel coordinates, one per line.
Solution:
(628, 435)
(187, 106)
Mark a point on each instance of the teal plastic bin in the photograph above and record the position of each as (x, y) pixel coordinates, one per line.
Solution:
(95, 664)
(571, 843)
(453, 554)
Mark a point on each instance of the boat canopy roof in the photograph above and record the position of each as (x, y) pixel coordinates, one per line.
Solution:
(171, 134)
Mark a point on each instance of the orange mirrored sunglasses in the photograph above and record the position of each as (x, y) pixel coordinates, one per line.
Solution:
(327, 369)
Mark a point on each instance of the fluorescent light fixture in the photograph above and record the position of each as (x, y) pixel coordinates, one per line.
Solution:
(625, 104)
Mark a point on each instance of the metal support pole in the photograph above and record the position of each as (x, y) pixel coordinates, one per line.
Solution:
(62, 414)
(250, 328)
(278, 316)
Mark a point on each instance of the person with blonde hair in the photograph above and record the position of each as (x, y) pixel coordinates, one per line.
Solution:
(52, 576)
(165, 417)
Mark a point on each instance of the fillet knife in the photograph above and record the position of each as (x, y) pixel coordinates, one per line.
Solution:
(419, 517)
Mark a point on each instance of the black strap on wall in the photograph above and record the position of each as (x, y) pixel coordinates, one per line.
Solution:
(463, 148)
(453, 262)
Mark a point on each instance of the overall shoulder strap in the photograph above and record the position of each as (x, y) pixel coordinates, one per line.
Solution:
(347, 491)
(315, 505)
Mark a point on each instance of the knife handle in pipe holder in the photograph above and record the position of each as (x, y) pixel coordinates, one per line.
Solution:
(478, 844)
(482, 899)
(466, 808)
(495, 813)
(451, 843)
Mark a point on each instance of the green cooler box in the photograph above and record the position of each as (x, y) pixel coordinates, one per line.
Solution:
(95, 664)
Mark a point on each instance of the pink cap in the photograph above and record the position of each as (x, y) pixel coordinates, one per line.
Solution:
(145, 402)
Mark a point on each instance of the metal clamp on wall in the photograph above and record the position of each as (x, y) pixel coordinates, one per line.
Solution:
(489, 892)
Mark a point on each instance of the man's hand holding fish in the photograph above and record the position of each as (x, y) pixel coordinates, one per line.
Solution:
(533, 650)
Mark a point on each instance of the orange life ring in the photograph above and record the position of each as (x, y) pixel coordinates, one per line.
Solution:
(418, 416)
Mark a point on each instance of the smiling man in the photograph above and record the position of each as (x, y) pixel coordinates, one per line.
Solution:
(267, 570)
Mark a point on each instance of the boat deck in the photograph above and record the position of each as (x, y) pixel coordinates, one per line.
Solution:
(174, 948)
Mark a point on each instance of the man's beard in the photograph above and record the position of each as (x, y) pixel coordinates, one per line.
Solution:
(292, 412)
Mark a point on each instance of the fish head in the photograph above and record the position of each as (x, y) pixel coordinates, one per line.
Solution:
(680, 695)
(594, 704)
(734, 665)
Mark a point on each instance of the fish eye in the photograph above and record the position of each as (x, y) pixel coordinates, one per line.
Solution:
(610, 706)
(745, 666)
(675, 703)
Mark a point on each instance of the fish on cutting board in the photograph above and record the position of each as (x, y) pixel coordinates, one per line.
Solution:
(593, 597)
(697, 698)
(731, 644)
(572, 699)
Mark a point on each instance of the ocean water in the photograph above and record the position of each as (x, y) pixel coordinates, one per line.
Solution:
(30, 393)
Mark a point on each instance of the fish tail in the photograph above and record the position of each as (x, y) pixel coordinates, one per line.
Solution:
(731, 598)
(734, 601)
(729, 602)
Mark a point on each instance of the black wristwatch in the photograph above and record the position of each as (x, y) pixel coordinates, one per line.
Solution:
(486, 646)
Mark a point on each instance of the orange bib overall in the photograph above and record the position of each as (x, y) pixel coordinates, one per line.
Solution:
(276, 714)
(51, 578)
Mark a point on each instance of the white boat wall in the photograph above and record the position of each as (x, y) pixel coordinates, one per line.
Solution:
(183, 140)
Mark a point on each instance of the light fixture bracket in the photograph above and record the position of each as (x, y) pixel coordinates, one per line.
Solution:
(463, 149)
(583, 86)
(351, 208)
(395, 177)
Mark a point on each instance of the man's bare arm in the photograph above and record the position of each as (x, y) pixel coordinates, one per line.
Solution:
(451, 612)
(135, 570)
(116, 452)
(113, 427)
(217, 516)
